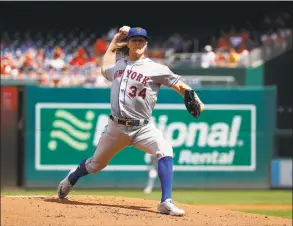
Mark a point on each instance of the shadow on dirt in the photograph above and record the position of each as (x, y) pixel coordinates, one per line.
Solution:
(68, 202)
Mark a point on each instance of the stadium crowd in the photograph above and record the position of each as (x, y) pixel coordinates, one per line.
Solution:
(72, 60)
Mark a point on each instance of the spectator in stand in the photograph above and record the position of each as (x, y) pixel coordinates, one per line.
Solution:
(57, 62)
(6, 64)
(235, 39)
(249, 44)
(223, 41)
(29, 60)
(233, 57)
(101, 45)
(79, 58)
(208, 58)
(220, 58)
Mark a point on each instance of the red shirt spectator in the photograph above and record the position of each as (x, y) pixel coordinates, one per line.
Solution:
(4, 65)
(223, 41)
(101, 46)
(79, 59)
(220, 58)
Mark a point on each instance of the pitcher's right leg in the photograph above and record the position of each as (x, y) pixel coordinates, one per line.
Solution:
(111, 142)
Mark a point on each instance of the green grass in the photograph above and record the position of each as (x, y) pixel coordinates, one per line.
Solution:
(276, 213)
(184, 196)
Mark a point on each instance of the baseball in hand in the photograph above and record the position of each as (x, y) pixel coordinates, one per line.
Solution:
(124, 30)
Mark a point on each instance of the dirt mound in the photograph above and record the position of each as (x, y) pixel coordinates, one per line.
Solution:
(101, 210)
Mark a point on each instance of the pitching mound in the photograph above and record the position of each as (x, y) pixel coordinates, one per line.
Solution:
(100, 210)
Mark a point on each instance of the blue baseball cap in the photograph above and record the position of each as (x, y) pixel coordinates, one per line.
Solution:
(137, 31)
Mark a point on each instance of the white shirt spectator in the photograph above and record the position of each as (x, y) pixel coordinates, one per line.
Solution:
(208, 58)
(57, 63)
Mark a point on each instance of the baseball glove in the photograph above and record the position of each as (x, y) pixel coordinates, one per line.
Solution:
(192, 103)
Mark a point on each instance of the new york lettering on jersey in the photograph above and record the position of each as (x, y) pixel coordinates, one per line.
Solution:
(133, 75)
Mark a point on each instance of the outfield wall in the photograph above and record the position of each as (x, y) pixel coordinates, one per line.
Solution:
(229, 146)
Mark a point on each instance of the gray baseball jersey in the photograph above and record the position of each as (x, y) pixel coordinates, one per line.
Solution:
(134, 90)
(135, 87)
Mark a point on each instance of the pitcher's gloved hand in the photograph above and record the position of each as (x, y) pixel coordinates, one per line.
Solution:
(192, 103)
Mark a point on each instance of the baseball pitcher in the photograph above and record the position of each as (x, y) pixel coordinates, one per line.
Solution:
(136, 81)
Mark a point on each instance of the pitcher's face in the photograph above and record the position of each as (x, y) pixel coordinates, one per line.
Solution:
(137, 45)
